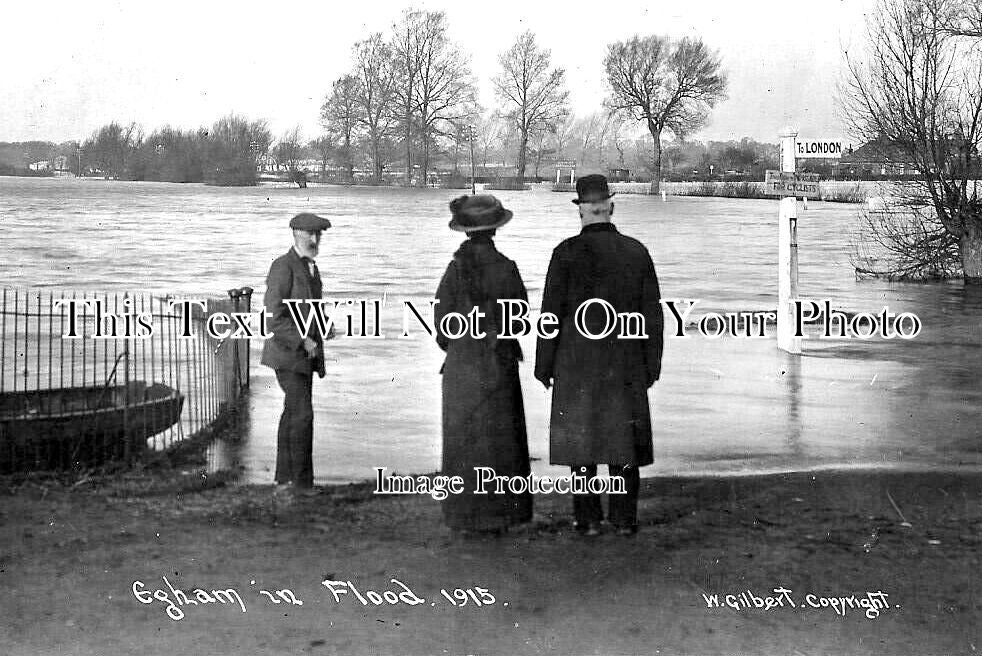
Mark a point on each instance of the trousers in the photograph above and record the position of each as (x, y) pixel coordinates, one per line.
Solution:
(622, 508)
(295, 436)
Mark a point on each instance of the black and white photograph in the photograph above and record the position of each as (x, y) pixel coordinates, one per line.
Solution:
(433, 328)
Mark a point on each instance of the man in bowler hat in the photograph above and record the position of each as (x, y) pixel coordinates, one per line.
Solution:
(293, 356)
(600, 412)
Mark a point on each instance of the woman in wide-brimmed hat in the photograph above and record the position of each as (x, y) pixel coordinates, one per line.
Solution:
(483, 412)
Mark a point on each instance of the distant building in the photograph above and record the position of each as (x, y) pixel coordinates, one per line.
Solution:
(618, 175)
(266, 163)
(312, 165)
(43, 165)
(494, 171)
(876, 158)
(61, 163)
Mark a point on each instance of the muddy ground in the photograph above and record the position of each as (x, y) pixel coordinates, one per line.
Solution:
(73, 548)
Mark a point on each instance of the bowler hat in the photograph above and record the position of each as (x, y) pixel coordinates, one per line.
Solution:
(592, 188)
(309, 222)
(477, 212)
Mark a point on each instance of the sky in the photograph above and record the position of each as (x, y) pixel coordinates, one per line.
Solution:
(70, 67)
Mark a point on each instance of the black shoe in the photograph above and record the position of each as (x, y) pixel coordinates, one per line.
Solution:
(587, 529)
(627, 531)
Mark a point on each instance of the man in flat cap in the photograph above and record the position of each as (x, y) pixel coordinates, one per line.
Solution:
(600, 385)
(295, 357)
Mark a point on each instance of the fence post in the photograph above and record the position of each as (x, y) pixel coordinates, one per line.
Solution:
(241, 301)
(246, 293)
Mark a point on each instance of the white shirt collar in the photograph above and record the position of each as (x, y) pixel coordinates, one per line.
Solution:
(309, 261)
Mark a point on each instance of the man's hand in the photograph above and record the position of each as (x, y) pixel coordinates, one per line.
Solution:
(310, 346)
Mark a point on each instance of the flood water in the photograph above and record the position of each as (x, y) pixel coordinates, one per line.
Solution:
(729, 405)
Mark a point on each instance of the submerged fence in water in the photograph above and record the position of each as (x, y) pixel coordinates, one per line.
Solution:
(91, 378)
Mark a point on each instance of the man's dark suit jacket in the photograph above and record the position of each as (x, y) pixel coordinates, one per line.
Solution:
(289, 278)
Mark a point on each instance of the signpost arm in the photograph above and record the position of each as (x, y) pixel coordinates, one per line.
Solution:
(787, 253)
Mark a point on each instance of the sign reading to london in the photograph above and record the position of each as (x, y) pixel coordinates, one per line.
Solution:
(818, 148)
(800, 185)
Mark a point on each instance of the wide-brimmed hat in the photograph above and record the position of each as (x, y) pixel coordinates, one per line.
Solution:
(309, 222)
(477, 212)
(592, 188)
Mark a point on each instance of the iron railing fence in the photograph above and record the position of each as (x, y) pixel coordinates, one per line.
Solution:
(89, 378)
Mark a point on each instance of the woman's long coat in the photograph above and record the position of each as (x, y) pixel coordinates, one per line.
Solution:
(483, 412)
(600, 408)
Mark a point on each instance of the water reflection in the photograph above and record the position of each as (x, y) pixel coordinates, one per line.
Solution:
(723, 405)
(792, 384)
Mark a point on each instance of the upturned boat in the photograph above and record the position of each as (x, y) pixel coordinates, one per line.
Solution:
(83, 426)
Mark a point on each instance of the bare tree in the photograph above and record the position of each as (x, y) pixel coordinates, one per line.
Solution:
(376, 92)
(109, 148)
(233, 145)
(603, 135)
(324, 147)
(433, 85)
(533, 94)
(563, 136)
(587, 131)
(407, 56)
(458, 144)
(900, 238)
(917, 95)
(488, 134)
(540, 150)
(674, 156)
(959, 17)
(668, 84)
(619, 138)
(290, 152)
(445, 95)
(507, 142)
(341, 114)
(260, 140)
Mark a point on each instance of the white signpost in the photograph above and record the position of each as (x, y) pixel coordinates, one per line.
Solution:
(787, 252)
(791, 186)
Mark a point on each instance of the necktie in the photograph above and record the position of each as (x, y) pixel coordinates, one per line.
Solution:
(311, 266)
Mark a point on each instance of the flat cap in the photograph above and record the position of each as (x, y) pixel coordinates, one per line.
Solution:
(309, 222)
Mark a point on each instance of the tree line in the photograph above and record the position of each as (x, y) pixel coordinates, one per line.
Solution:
(170, 155)
(410, 94)
(409, 102)
(226, 154)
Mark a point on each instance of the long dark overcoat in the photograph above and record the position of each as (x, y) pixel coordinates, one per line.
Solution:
(600, 412)
(483, 412)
